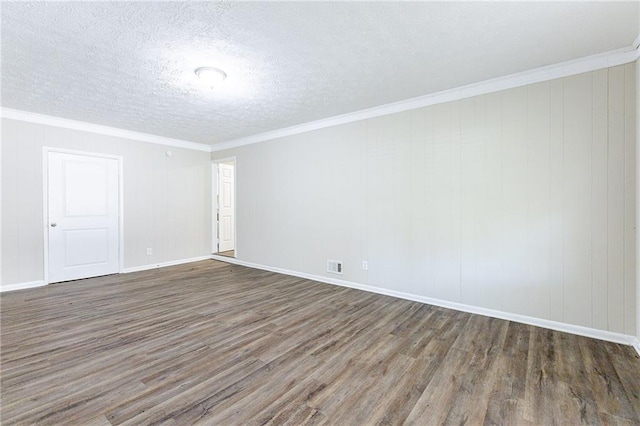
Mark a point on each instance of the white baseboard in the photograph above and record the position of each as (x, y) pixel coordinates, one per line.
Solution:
(538, 322)
(164, 264)
(21, 286)
(33, 284)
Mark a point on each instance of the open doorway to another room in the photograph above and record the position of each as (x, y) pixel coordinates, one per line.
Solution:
(224, 242)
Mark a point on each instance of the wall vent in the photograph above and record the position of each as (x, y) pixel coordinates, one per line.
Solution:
(334, 266)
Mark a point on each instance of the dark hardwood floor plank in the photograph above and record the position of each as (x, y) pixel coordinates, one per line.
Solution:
(542, 395)
(213, 343)
(628, 376)
(614, 403)
(505, 404)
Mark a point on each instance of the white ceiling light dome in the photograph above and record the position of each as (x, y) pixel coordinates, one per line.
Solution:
(211, 76)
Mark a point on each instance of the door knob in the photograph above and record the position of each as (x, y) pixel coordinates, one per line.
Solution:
(53, 225)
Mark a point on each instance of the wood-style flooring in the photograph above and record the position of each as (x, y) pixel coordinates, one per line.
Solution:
(219, 344)
(228, 253)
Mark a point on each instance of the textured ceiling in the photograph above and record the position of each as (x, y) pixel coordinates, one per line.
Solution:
(130, 64)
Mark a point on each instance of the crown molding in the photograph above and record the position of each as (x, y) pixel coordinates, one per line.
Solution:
(65, 123)
(537, 75)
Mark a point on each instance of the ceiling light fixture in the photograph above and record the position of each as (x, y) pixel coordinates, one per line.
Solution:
(212, 77)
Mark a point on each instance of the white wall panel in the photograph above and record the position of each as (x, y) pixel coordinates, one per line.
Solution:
(514, 199)
(491, 275)
(471, 148)
(637, 200)
(599, 208)
(577, 136)
(557, 199)
(630, 285)
(521, 201)
(538, 220)
(616, 228)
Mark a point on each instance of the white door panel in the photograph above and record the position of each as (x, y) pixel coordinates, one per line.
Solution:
(226, 208)
(82, 216)
(75, 241)
(85, 189)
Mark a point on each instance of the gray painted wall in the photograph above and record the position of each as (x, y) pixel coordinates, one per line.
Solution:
(521, 201)
(167, 200)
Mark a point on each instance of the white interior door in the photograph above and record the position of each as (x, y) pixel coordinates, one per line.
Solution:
(226, 212)
(83, 222)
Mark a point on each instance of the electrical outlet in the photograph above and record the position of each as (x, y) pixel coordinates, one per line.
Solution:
(365, 265)
(149, 251)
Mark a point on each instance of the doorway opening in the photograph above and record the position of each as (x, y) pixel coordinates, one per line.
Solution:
(224, 207)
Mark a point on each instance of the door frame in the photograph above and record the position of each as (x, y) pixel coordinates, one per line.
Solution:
(45, 202)
(214, 203)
